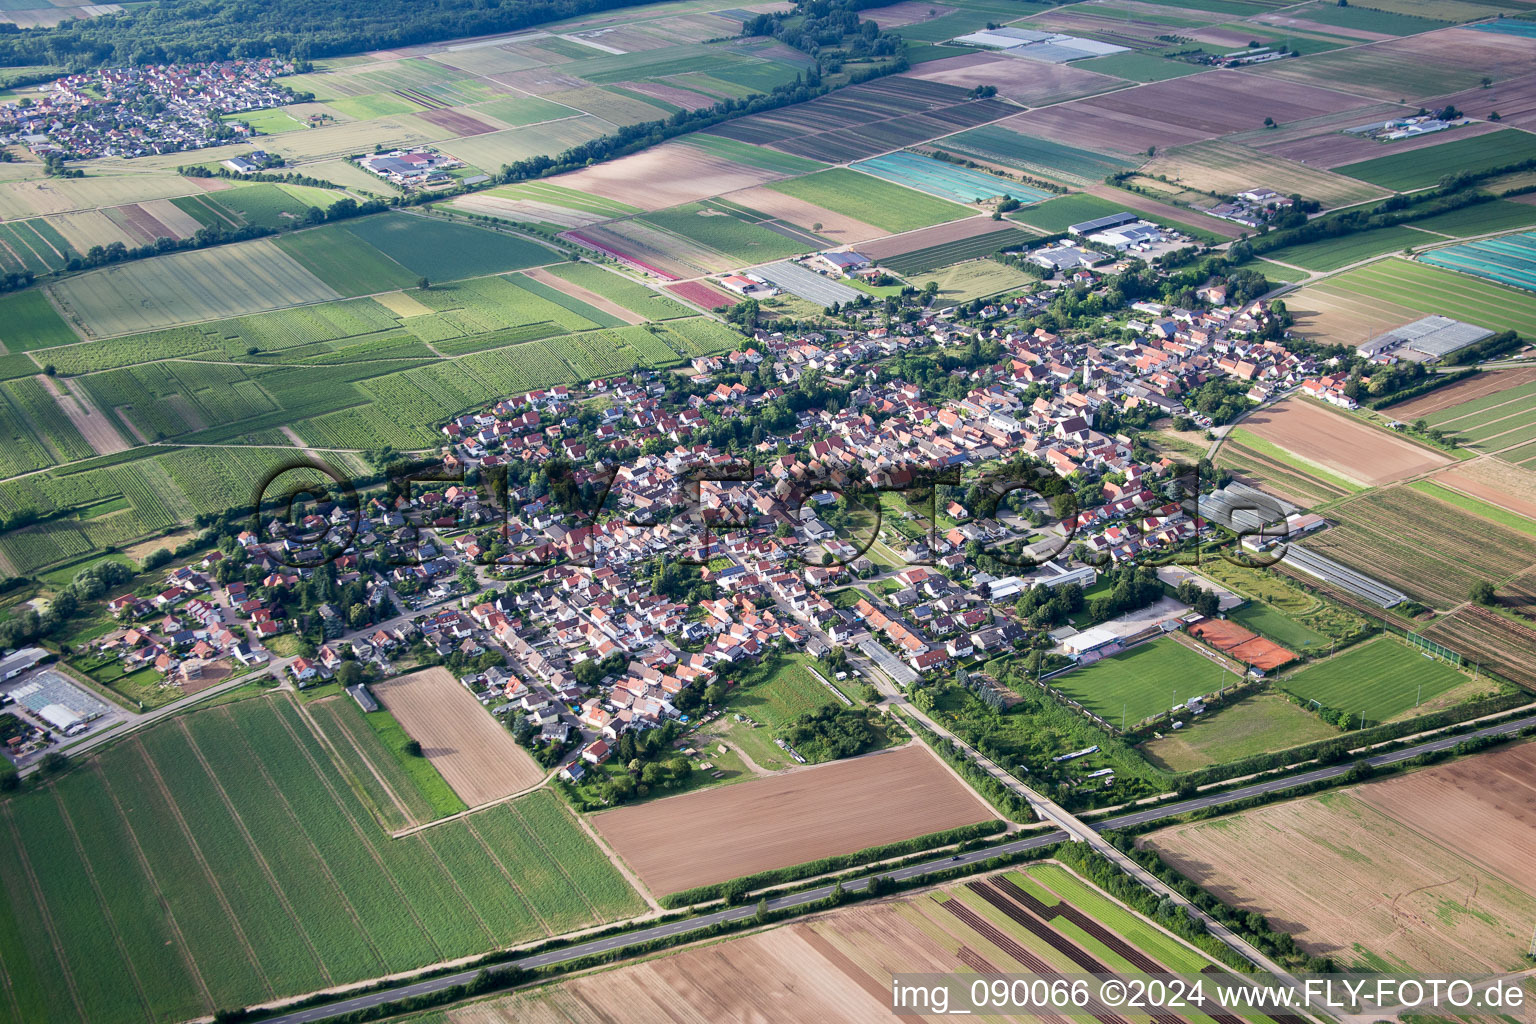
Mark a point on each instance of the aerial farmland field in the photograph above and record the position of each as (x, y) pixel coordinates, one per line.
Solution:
(871, 199)
(1423, 546)
(1442, 894)
(440, 250)
(1423, 167)
(1369, 300)
(714, 835)
(1340, 443)
(182, 288)
(222, 835)
(1043, 918)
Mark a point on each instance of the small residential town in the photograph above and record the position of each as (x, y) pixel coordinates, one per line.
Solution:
(139, 111)
(586, 630)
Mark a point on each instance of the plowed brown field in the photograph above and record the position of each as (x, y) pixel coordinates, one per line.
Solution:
(1338, 442)
(802, 815)
(1431, 870)
(477, 757)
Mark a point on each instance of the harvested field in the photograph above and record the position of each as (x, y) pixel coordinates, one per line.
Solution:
(524, 210)
(1242, 644)
(1032, 83)
(1510, 487)
(1332, 148)
(1425, 547)
(1341, 443)
(664, 176)
(1222, 167)
(1411, 69)
(1481, 385)
(1423, 872)
(1490, 639)
(801, 815)
(1179, 111)
(478, 758)
(841, 228)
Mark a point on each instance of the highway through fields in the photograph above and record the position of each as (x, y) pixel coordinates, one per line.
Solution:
(685, 925)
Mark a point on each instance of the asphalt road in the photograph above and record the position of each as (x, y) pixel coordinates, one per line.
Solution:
(673, 928)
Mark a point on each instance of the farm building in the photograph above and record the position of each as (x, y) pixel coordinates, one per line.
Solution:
(1104, 223)
(1127, 235)
(846, 262)
(1064, 257)
(1429, 338)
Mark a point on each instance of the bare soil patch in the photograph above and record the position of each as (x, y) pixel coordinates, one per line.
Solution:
(1341, 443)
(664, 176)
(1179, 111)
(1487, 382)
(476, 756)
(908, 12)
(839, 227)
(97, 430)
(1513, 98)
(672, 94)
(457, 122)
(591, 298)
(801, 815)
(1025, 81)
(1498, 483)
(1482, 807)
(1429, 871)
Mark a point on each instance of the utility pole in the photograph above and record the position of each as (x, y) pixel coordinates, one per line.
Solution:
(1420, 697)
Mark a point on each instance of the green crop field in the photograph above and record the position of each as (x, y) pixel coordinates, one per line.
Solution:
(871, 200)
(994, 142)
(444, 251)
(188, 287)
(630, 294)
(559, 195)
(344, 262)
(1138, 67)
(223, 858)
(740, 152)
(1056, 215)
(264, 204)
(1257, 724)
(1333, 253)
(1141, 682)
(273, 121)
(731, 235)
(1380, 680)
(1419, 168)
(1370, 20)
(1431, 290)
(1484, 218)
(518, 111)
(28, 320)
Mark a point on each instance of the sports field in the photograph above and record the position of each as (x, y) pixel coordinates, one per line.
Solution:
(1258, 724)
(223, 858)
(1142, 682)
(1420, 168)
(870, 199)
(1380, 680)
(946, 180)
(188, 287)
